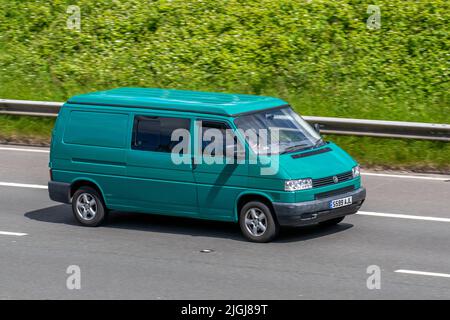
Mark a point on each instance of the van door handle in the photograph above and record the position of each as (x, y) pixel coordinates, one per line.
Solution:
(194, 165)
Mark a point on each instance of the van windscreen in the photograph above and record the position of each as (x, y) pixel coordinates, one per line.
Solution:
(277, 131)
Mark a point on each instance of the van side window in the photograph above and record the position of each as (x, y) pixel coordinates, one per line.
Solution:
(154, 133)
(229, 142)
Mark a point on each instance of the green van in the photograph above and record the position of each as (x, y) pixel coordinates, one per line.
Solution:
(158, 151)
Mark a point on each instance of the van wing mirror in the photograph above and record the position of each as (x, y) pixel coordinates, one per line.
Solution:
(317, 127)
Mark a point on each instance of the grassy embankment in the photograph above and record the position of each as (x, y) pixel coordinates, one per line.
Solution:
(318, 55)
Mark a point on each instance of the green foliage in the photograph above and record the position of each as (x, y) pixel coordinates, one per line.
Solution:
(28, 130)
(318, 54)
(406, 154)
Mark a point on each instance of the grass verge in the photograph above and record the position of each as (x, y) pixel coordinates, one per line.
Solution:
(397, 154)
(382, 153)
(25, 130)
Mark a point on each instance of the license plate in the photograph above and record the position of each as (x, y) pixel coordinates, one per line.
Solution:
(340, 202)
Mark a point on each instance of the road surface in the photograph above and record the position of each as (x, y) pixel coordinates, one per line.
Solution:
(403, 229)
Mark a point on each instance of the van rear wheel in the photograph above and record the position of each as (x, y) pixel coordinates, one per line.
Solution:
(257, 222)
(88, 207)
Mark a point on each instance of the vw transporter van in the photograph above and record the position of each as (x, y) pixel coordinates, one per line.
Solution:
(159, 151)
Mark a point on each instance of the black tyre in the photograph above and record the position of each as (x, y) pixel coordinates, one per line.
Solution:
(88, 207)
(257, 222)
(331, 222)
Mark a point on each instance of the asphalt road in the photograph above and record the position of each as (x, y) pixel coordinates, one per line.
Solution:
(404, 225)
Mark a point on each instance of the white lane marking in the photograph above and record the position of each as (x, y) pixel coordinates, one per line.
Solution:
(18, 234)
(22, 185)
(424, 273)
(24, 150)
(403, 176)
(402, 216)
(362, 173)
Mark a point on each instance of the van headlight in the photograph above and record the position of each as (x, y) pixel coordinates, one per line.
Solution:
(301, 184)
(355, 171)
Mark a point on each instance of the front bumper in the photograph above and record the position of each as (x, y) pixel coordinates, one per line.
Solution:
(312, 212)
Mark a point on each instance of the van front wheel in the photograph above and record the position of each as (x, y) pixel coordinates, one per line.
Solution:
(88, 207)
(257, 223)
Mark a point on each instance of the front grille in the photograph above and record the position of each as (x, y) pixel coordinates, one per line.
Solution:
(334, 192)
(321, 182)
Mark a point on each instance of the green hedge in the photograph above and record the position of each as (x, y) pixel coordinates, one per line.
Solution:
(319, 55)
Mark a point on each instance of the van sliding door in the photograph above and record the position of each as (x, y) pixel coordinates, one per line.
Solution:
(156, 182)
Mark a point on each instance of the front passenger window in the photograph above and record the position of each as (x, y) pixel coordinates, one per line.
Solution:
(229, 141)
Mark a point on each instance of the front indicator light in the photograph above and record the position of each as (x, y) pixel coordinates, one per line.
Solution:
(356, 171)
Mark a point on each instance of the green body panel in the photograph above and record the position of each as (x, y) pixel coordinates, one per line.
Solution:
(321, 165)
(102, 165)
(92, 137)
(333, 162)
(179, 100)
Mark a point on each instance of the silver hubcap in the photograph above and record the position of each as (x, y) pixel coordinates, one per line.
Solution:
(255, 222)
(86, 206)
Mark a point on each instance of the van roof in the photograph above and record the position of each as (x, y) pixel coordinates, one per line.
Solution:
(179, 100)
